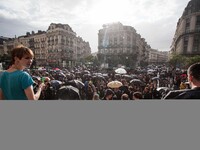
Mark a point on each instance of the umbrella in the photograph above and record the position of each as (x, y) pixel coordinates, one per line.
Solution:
(105, 75)
(155, 78)
(99, 77)
(41, 69)
(114, 84)
(184, 76)
(163, 90)
(86, 72)
(62, 75)
(120, 71)
(87, 75)
(68, 93)
(77, 73)
(136, 82)
(151, 70)
(97, 74)
(127, 76)
(56, 69)
(134, 76)
(75, 83)
(56, 84)
(150, 73)
(36, 78)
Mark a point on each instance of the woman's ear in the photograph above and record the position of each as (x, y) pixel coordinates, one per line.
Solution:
(16, 59)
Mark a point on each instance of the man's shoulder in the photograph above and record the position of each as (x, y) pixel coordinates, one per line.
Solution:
(190, 94)
(174, 93)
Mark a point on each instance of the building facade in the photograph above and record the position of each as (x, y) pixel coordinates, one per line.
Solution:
(119, 44)
(187, 36)
(157, 57)
(57, 47)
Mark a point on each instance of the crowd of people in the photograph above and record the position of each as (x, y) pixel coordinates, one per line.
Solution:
(81, 83)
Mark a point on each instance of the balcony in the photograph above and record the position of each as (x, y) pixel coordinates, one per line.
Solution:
(188, 32)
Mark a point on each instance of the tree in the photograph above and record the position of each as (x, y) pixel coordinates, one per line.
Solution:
(93, 60)
(178, 60)
(183, 61)
(192, 60)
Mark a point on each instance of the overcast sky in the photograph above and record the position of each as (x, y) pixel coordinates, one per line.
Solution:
(154, 20)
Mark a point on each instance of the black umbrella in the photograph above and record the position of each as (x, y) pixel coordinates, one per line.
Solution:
(134, 76)
(87, 76)
(99, 77)
(75, 83)
(163, 90)
(86, 72)
(68, 93)
(56, 84)
(137, 82)
(62, 74)
(155, 78)
(36, 78)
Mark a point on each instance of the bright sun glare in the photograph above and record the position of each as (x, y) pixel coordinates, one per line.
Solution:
(109, 11)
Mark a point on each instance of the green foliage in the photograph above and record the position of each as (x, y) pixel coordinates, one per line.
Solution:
(89, 58)
(92, 59)
(183, 61)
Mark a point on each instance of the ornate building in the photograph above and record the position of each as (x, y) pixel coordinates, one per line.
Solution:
(58, 46)
(157, 57)
(119, 44)
(4, 48)
(187, 36)
(61, 47)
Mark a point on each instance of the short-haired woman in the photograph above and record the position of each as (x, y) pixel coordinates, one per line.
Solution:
(16, 84)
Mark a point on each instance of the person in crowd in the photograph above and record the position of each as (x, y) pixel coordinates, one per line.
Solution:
(108, 95)
(130, 92)
(96, 97)
(124, 87)
(124, 97)
(91, 90)
(137, 95)
(118, 93)
(47, 93)
(15, 83)
(182, 85)
(155, 93)
(147, 93)
(193, 74)
(115, 97)
(101, 91)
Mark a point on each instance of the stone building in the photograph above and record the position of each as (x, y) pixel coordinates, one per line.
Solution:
(187, 36)
(82, 49)
(6, 45)
(57, 47)
(61, 41)
(157, 57)
(119, 44)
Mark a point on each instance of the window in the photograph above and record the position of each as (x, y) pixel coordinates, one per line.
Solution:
(187, 26)
(115, 40)
(198, 23)
(185, 44)
(196, 43)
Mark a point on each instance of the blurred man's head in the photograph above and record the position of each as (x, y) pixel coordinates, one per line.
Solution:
(194, 75)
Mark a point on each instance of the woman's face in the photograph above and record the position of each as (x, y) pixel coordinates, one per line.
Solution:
(26, 61)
